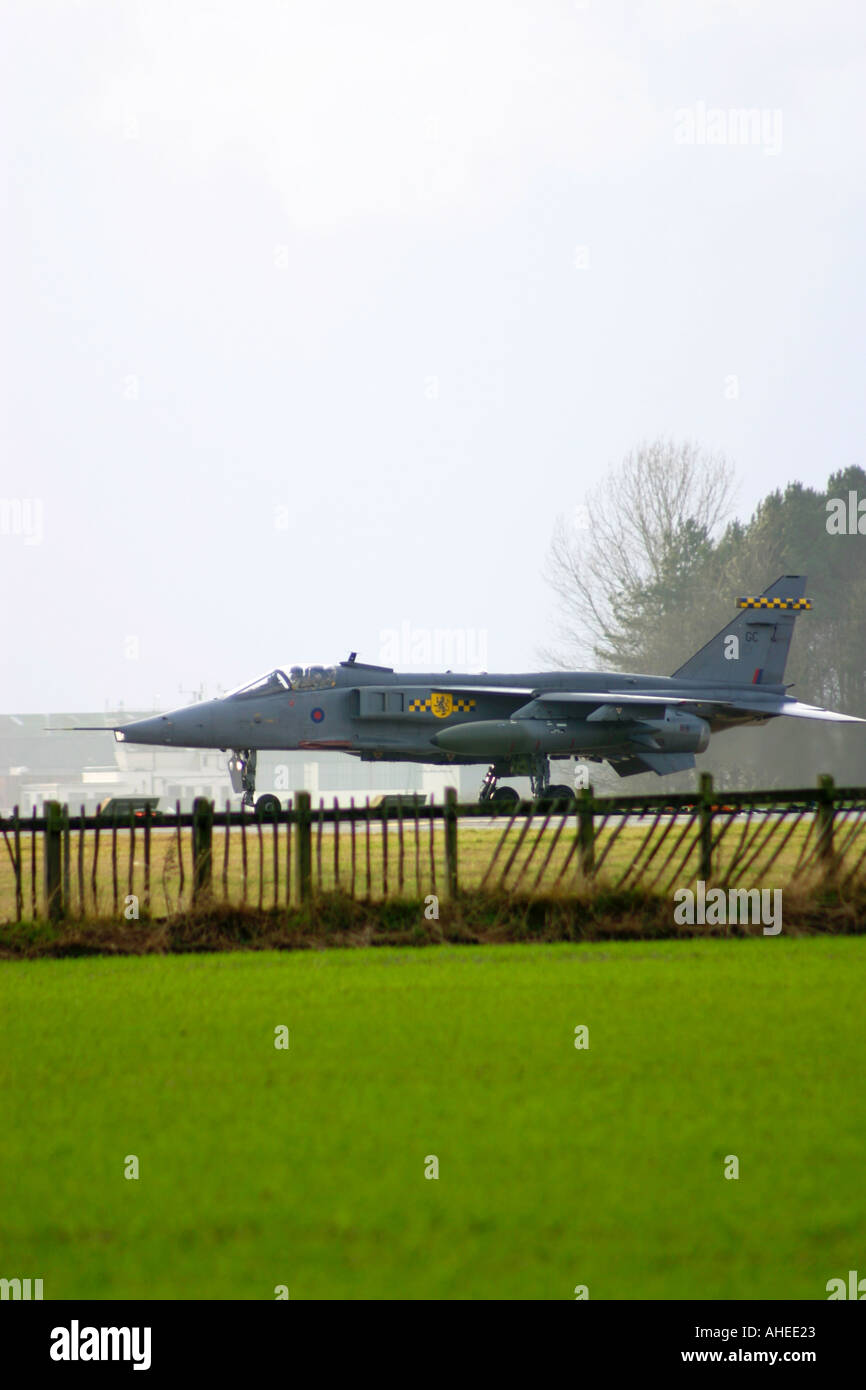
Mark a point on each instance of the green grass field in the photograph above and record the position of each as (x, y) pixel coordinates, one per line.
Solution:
(557, 1167)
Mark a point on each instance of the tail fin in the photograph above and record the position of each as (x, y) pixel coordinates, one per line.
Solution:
(753, 648)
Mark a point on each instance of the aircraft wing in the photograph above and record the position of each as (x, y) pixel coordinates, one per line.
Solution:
(610, 700)
(801, 711)
(620, 697)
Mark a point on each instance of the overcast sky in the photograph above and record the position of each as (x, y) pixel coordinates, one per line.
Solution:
(316, 315)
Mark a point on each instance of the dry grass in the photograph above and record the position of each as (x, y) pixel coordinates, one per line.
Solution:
(537, 857)
(473, 917)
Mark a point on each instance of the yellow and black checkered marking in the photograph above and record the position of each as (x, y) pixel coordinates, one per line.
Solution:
(454, 706)
(774, 603)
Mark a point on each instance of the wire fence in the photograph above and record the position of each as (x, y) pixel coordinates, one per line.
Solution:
(151, 864)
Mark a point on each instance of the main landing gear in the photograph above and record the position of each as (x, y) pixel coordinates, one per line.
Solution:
(242, 771)
(537, 768)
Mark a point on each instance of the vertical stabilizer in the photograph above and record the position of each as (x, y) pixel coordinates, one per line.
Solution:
(752, 648)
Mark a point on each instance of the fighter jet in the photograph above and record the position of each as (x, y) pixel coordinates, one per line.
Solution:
(517, 723)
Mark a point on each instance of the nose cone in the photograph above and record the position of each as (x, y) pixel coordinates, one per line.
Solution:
(183, 728)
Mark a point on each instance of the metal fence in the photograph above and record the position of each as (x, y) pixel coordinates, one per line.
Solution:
(157, 864)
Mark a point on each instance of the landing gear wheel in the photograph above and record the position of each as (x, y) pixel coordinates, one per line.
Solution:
(559, 793)
(268, 805)
(504, 798)
(491, 777)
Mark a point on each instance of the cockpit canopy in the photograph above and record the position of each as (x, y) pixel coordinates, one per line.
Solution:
(299, 678)
(312, 677)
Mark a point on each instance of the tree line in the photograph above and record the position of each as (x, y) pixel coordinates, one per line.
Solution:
(653, 564)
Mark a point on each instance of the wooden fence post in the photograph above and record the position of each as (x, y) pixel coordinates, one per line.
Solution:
(19, 892)
(52, 860)
(304, 846)
(202, 850)
(147, 815)
(826, 810)
(706, 827)
(450, 826)
(586, 831)
(67, 848)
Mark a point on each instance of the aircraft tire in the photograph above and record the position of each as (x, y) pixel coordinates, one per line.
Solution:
(268, 805)
(558, 795)
(504, 798)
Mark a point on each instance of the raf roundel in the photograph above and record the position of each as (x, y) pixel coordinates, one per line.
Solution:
(317, 715)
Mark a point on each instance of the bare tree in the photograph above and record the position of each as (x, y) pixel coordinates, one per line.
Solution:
(648, 530)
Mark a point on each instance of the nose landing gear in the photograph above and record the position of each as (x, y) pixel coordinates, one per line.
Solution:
(242, 771)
